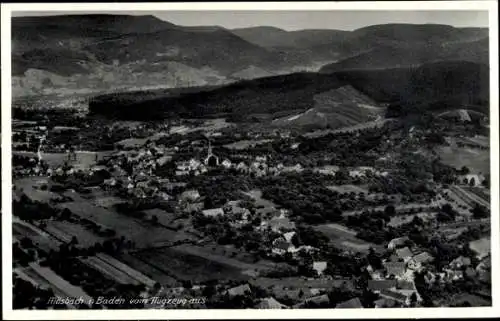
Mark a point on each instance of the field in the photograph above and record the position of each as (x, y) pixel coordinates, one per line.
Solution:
(144, 234)
(404, 219)
(220, 254)
(175, 262)
(132, 142)
(256, 195)
(472, 195)
(370, 124)
(344, 237)
(84, 159)
(60, 286)
(164, 218)
(107, 201)
(300, 282)
(136, 275)
(108, 270)
(39, 238)
(27, 186)
(477, 160)
(64, 231)
(406, 208)
(244, 144)
(347, 189)
(474, 300)
(208, 126)
(148, 270)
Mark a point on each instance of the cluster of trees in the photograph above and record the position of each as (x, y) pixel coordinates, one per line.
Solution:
(305, 197)
(28, 210)
(219, 187)
(26, 296)
(446, 214)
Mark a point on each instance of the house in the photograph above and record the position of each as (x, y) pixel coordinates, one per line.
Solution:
(239, 290)
(213, 212)
(377, 274)
(395, 296)
(378, 285)
(163, 160)
(385, 303)
(404, 253)
(460, 262)
(395, 268)
(190, 195)
(397, 242)
(319, 267)
(281, 246)
(353, 303)
(320, 299)
(242, 167)
(289, 236)
(181, 172)
(270, 303)
(419, 260)
(483, 269)
(194, 207)
(470, 272)
(454, 275)
(475, 179)
(278, 224)
(429, 278)
(481, 247)
(226, 163)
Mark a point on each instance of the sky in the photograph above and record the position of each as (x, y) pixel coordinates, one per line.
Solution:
(297, 20)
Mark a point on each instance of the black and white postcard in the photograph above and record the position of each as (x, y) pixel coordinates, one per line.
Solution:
(324, 160)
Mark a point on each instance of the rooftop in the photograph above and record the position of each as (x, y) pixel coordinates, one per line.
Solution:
(353, 303)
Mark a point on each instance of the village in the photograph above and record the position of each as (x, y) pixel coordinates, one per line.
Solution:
(245, 218)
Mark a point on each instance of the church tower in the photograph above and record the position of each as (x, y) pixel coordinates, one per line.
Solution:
(212, 160)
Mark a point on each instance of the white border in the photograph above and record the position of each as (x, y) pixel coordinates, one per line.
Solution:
(246, 314)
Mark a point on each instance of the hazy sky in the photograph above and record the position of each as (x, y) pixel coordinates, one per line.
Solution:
(295, 20)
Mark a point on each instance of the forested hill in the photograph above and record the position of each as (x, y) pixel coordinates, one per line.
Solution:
(431, 86)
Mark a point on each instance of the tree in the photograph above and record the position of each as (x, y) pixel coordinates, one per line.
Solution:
(413, 299)
(479, 212)
(472, 182)
(390, 210)
(74, 240)
(154, 219)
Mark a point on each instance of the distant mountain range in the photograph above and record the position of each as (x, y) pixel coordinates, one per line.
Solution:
(103, 53)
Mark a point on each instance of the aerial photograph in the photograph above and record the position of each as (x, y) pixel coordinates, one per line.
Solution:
(250, 160)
